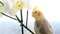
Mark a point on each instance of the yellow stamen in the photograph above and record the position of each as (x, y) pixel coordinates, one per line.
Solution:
(19, 5)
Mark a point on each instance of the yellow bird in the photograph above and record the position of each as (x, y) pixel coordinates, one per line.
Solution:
(41, 24)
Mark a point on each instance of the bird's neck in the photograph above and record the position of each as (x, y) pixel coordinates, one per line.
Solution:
(39, 18)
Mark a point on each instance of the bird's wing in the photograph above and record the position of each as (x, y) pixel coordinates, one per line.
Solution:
(45, 27)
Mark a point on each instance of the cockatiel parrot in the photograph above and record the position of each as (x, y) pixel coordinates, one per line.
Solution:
(41, 24)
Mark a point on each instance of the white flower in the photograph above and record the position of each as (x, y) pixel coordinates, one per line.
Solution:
(14, 6)
(26, 4)
(17, 6)
(5, 8)
(10, 9)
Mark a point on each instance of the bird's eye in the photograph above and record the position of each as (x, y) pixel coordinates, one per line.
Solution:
(35, 11)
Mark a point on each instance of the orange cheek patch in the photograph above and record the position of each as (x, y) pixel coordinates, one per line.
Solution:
(39, 14)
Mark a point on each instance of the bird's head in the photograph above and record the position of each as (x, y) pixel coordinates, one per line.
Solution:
(37, 14)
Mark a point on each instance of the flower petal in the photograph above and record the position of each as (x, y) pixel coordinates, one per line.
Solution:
(6, 8)
(26, 3)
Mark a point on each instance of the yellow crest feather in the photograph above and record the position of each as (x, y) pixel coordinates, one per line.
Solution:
(35, 8)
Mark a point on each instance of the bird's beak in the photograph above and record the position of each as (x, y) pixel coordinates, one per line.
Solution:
(32, 15)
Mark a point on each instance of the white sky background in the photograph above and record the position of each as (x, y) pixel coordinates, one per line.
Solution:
(50, 9)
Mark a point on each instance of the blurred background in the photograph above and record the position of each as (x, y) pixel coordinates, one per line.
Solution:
(50, 9)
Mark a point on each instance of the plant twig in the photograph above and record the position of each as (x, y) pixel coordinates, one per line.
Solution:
(21, 22)
(27, 18)
(8, 16)
(24, 25)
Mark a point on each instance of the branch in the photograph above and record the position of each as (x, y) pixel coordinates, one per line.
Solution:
(24, 25)
(21, 22)
(8, 16)
(27, 18)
